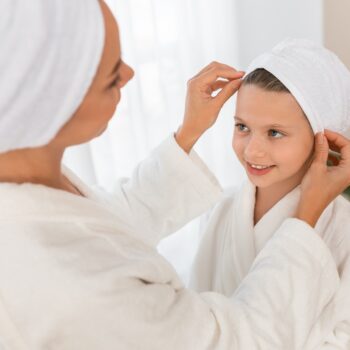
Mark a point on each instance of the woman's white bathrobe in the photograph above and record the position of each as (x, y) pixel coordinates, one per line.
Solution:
(83, 273)
(231, 242)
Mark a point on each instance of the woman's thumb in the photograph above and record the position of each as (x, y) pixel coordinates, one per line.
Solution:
(321, 149)
(228, 90)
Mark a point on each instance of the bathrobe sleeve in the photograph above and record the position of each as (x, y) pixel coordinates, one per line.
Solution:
(165, 192)
(339, 339)
(338, 312)
(93, 286)
(276, 329)
(291, 281)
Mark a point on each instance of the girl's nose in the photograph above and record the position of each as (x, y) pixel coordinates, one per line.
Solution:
(255, 149)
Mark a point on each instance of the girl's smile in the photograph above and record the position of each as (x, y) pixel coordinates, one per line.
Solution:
(258, 170)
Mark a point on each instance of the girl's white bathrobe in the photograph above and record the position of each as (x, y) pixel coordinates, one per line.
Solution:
(83, 273)
(231, 242)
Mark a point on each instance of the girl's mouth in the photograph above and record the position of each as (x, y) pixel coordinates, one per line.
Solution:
(256, 169)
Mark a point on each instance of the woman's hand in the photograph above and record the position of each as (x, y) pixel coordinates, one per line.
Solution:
(321, 184)
(202, 109)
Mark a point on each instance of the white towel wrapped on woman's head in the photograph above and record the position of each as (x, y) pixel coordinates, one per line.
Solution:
(50, 52)
(317, 79)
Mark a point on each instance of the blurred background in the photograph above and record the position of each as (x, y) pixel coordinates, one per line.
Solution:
(169, 41)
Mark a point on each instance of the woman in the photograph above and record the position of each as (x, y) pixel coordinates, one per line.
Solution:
(79, 269)
(274, 141)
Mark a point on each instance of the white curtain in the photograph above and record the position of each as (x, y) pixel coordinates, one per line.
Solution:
(166, 42)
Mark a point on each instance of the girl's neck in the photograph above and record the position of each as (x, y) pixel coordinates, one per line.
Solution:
(267, 197)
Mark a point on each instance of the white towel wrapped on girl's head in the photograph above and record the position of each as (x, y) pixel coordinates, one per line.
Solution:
(317, 79)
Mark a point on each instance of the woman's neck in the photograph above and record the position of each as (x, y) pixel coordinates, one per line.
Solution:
(267, 197)
(41, 165)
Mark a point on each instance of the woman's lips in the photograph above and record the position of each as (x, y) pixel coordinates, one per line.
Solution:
(259, 172)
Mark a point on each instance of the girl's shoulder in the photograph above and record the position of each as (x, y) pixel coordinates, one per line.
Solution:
(341, 211)
(231, 192)
(342, 203)
(229, 197)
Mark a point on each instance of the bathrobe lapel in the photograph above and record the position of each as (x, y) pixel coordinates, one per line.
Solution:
(282, 210)
(238, 249)
(273, 219)
(242, 242)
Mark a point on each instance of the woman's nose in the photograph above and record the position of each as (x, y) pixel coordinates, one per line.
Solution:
(254, 149)
(127, 74)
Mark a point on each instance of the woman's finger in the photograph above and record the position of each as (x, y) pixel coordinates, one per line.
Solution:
(333, 147)
(321, 149)
(227, 91)
(339, 144)
(335, 140)
(213, 74)
(331, 136)
(212, 65)
(219, 84)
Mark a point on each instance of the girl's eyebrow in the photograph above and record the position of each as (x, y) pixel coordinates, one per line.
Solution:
(267, 126)
(280, 126)
(238, 118)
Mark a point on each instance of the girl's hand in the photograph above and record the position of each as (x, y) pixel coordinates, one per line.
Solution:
(322, 184)
(202, 109)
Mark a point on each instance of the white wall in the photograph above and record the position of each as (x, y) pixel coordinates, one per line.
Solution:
(337, 29)
(263, 23)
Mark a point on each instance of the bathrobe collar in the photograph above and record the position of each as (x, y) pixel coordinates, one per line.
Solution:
(242, 241)
(38, 202)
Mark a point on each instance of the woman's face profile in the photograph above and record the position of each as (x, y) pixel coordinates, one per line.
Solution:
(272, 138)
(100, 102)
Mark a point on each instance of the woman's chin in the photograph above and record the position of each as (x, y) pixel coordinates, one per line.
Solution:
(102, 131)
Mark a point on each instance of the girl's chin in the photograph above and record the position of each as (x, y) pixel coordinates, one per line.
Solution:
(261, 181)
(261, 184)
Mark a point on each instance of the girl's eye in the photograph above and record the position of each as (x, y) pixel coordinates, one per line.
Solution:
(275, 134)
(241, 127)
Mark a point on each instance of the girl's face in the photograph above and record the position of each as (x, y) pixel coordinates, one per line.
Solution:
(272, 139)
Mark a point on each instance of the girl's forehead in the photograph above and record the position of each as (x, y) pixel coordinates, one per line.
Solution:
(256, 105)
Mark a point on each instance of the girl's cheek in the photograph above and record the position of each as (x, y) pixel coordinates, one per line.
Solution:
(238, 147)
(288, 156)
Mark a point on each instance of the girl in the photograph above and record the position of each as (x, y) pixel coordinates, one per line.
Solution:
(285, 97)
